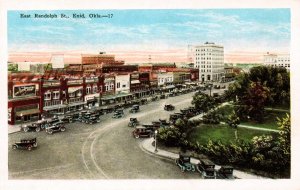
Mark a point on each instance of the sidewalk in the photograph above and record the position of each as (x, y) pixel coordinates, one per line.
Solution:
(13, 128)
(147, 146)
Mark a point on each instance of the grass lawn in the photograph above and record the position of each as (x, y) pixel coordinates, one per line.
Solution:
(223, 133)
(270, 120)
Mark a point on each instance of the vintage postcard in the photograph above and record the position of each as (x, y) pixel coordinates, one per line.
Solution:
(151, 96)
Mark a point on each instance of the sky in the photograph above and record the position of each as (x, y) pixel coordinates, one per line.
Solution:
(133, 35)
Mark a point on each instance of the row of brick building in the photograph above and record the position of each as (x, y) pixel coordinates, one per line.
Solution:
(91, 83)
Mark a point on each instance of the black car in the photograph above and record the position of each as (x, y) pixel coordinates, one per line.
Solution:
(225, 172)
(67, 119)
(135, 109)
(31, 127)
(27, 144)
(154, 98)
(118, 113)
(56, 127)
(206, 169)
(93, 119)
(133, 122)
(142, 131)
(169, 107)
(184, 162)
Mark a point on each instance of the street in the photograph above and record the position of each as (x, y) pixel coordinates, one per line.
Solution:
(106, 150)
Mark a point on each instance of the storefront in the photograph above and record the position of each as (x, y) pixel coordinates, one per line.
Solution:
(23, 110)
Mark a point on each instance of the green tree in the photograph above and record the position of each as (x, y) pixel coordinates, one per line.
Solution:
(233, 121)
(12, 67)
(203, 101)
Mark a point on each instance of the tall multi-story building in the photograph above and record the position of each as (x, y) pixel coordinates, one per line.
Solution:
(277, 60)
(209, 59)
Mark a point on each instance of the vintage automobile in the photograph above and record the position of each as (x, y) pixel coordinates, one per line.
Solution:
(93, 119)
(142, 131)
(56, 127)
(169, 107)
(27, 144)
(43, 123)
(31, 127)
(173, 117)
(133, 122)
(160, 123)
(144, 101)
(118, 113)
(184, 162)
(134, 109)
(67, 119)
(206, 169)
(154, 98)
(225, 172)
(51, 121)
(163, 96)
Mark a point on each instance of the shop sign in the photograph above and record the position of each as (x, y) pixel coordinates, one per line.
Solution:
(24, 90)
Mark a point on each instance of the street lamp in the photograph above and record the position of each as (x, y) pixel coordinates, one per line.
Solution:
(155, 136)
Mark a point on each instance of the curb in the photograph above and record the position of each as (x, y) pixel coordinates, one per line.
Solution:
(170, 158)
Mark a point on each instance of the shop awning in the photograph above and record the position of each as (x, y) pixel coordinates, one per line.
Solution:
(135, 81)
(27, 112)
(48, 108)
(170, 86)
(110, 97)
(74, 89)
(76, 104)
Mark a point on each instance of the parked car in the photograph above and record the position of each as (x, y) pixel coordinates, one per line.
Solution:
(169, 107)
(27, 144)
(67, 119)
(42, 123)
(141, 131)
(56, 127)
(134, 109)
(206, 169)
(133, 122)
(160, 123)
(93, 119)
(118, 113)
(144, 101)
(225, 172)
(184, 162)
(154, 98)
(31, 127)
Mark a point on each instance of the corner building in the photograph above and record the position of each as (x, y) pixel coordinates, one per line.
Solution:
(209, 59)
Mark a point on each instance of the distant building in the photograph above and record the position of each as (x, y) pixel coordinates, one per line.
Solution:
(277, 60)
(209, 59)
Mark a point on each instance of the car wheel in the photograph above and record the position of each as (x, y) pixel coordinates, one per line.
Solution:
(26, 129)
(50, 131)
(35, 144)
(29, 147)
(137, 136)
(38, 129)
(14, 147)
(62, 129)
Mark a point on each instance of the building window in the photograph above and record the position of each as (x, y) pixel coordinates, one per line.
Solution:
(95, 89)
(88, 89)
(56, 95)
(118, 85)
(47, 95)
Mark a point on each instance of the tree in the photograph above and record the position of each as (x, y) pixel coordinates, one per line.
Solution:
(285, 134)
(255, 100)
(233, 121)
(12, 67)
(203, 101)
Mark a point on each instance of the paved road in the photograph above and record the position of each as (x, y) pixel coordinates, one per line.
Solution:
(102, 151)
